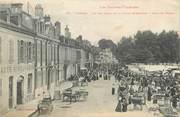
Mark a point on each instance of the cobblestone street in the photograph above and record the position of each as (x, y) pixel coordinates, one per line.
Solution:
(100, 102)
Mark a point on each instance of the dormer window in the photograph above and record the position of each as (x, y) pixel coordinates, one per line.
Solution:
(3, 15)
(14, 20)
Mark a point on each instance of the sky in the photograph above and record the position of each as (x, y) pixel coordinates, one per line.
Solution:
(109, 19)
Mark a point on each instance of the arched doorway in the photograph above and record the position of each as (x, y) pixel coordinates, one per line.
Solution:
(20, 90)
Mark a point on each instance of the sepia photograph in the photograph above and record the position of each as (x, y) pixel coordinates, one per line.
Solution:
(89, 58)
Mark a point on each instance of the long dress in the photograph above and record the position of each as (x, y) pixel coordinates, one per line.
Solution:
(174, 102)
(124, 106)
(149, 94)
(119, 106)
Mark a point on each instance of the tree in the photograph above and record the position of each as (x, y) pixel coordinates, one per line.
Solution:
(149, 47)
(168, 42)
(104, 43)
(125, 50)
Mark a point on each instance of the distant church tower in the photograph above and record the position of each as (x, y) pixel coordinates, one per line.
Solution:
(39, 11)
(67, 33)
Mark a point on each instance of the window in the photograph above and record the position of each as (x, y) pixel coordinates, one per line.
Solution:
(52, 53)
(30, 52)
(38, 52)
(60, 54)
(37, 26)
(11, 86)
(3, 15)
(11, 51)
(49, 54)
(43, 53)
(0, 87)
(0, 50)
(55, 54)
(21, 52)
(14, 19)
(29, 89)
(66, 53)
(41, 27)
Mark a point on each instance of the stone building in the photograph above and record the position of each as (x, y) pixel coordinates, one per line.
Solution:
(34, 56)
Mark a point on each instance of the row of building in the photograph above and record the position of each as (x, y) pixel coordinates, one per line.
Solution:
(34, 56)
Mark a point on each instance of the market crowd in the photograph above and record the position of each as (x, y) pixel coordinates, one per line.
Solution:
(138, 89)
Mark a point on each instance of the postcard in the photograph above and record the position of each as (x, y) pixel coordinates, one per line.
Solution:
(89, 58)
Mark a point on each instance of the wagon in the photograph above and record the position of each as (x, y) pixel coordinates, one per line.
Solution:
(137, 100)
(158, 98)
(69, 95)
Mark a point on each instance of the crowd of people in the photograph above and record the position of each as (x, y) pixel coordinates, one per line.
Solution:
(137, 89)
(85, 76)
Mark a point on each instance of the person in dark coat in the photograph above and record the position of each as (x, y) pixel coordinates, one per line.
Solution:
(119, 77)
(173, 91)
(131, 90)
(124, 105)
(149, 94)
(174, 102)
(100, 75)
(132, 81)
(145, 82)
(119, 105)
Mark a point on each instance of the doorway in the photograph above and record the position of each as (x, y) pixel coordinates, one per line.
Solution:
(10, 92)
(20, 90)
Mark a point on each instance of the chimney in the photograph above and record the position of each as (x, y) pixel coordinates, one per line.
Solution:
(47, 18)
(16, 10)
(39, 11)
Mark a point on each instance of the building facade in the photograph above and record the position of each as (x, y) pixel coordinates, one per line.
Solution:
(34, 56)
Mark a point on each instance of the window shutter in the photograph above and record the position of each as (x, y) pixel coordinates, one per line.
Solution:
(33, 52)
(28, 52)
(11, 51)
(0, 50)
(25, 53)
(18, 51)
(1, 87)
